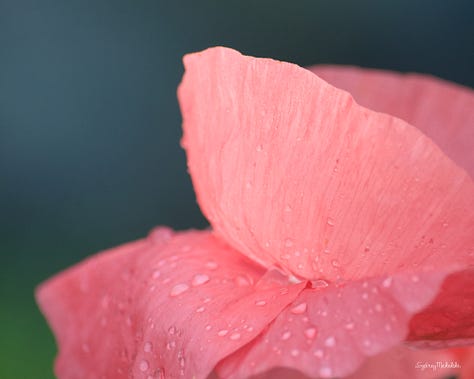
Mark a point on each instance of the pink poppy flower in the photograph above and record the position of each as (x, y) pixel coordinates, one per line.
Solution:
(339, 231)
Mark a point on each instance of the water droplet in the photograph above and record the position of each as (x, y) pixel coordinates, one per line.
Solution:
(172, 330)
(288, 242)
(248, 185)
(235, 336)
(365, 296)
(250, 329)
(330, 341)
(171, 345)
(160, 234)
(156, 274)
(415, 278)
(147, 347)
(295, 352)
(349, 326)
(143, 365)
(318, 353)
(310, 333)
(259, 148)
(200, 279)
(330, 221)
(286, 335)
(319, 283)
(179, 289)
(387, 282)
(288, 209)
(326, 251)
(325, 372)
(300, 308)
(222, 333)
(208, 327)
(300, 266)
(211, 265)
(260, 303)
(335, 263)
(242, 281)
(297, 253)
(206, 300)
(285, 257)
(378, 307)
(200, 309)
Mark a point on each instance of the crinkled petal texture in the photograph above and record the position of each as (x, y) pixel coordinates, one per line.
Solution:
(441, 110)
(172, 305)
(329, 332)
(291, 171)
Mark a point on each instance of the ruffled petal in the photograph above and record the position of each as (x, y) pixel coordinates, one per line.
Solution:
(292, 172)
(330, 332)
(172, 304)
(441, 110)
(449, 319)
(399, 362)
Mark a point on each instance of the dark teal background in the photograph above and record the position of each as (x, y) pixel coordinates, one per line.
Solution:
(90, 125)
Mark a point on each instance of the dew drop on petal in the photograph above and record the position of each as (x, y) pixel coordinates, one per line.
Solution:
(300, 308)
(179, 289)
(318, 353)
(387, 282)
(310, 333)
(242, 281)
(330, 221)
(319, 283)
(330, 341)
(156, 274)
(349, 326)
(235, 336)
(208, 327)
(288, 242)
(222, 333)
(143, 365)
(325, 372)
(147, 347)
(200, 279)
(200, 309)
(295, 352)
(172, 330)
(260, 303)
(211, 265)
(286, 335)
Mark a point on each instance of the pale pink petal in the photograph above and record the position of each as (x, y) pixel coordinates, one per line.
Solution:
(329, 332)
(441, 110)
(172, 304)
(292, 172)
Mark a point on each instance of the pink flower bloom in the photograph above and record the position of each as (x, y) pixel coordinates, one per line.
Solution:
(338, 233)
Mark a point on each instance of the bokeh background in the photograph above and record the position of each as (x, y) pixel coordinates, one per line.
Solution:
(90, 125)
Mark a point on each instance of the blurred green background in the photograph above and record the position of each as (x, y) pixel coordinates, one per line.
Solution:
(90, 125)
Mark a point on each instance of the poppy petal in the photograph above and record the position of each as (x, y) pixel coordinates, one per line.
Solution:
(291, 171)
(171, 304)
(440, 109)
(330, 332)
(449, 319)
(399, 362)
